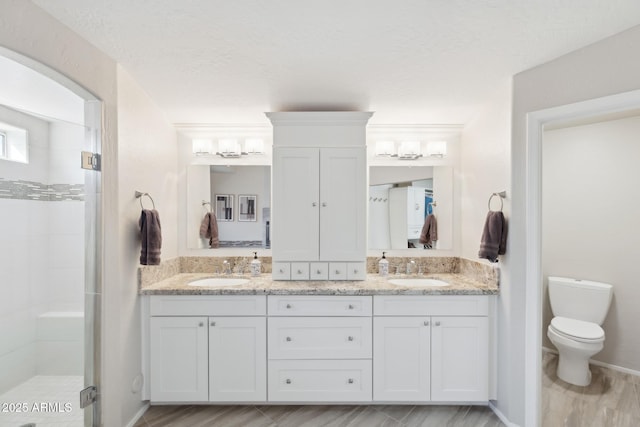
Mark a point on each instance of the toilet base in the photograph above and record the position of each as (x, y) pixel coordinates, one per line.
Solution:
(574, 370)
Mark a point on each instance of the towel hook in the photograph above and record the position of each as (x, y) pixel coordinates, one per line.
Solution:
(139, 196)
(501, 195)
(204, 203)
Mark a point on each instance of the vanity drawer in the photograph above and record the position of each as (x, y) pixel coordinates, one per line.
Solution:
(320, 380)
(317, 305)
(430, 305)
(356, 271)
(319, 271)
(319, 337)
(414, 232)
(299, 271)
(281, 271)
(208, 305)
(337, 271)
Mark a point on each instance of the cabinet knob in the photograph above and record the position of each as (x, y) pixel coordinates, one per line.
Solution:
(201, 324)
(213, 323)
(426, 323)
(318, 271)
(281, 270)
(437, 323)
(288, 305)
(350, 380)
(337, 271)
(299, 271)
(351, 307)
(288, 381)
(350, 338)
(355, 271)
(288, 339)
(324, 204)
(314, 204)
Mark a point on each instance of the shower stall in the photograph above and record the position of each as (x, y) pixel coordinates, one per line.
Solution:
(49, 287)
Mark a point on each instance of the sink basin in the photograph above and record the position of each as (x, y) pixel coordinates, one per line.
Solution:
(218, 281)
(418, 282)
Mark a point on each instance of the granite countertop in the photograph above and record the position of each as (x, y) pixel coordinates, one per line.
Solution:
(459, 284)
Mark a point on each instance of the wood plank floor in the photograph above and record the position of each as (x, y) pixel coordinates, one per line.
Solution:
(316, 416)
(611, 400)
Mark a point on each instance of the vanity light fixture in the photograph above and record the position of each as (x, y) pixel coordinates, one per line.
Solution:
(409, 150)
(201, 146)
(385, 148)
(229, 148)
(437, 148)
(253, 146)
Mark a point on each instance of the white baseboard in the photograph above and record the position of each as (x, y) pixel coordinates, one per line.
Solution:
(500, 415)
(602, 364)
(137, 416)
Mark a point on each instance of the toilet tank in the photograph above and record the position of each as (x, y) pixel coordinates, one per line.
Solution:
(580, 299)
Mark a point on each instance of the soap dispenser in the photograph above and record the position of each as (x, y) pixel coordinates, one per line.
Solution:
(255, 265)
(383, 266)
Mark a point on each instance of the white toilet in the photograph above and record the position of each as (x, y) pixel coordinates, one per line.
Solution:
(579, 307)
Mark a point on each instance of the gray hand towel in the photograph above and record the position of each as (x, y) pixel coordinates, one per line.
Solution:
(151, 237)
(209, 229)
(494, 237)
(429, 232)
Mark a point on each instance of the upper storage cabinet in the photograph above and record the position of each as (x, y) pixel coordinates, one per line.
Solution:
(319, 186)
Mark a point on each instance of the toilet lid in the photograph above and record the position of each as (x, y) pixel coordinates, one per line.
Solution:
(577, 329)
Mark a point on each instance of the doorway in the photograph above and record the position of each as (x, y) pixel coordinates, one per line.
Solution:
(536, 122)
(49, 267)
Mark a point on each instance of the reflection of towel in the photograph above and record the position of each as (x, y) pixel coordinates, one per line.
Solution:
(151, 234)
(494, 237)
(209, 229)
(429, 232)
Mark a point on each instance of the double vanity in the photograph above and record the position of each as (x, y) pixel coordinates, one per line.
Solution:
(319, 325)
(399, 339)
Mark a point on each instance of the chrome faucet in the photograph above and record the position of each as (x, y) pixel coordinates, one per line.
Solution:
(226, 267)
(410, 266)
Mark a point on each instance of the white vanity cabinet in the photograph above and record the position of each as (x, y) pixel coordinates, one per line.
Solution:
(319, 194)
(319, 199)
(319, 348)
(207, 348)
(431, 348)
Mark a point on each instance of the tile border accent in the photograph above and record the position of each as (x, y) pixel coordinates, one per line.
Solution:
(33, 190)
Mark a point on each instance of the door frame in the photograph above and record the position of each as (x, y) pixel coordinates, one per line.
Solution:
(536, 121)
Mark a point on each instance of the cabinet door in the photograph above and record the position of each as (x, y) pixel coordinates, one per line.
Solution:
(237, 359)
(459, 357)
(401, 358)
(178, 359)
(343, 203)
(296, 204)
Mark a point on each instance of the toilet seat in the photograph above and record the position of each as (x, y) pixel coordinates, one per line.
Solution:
(577, 330)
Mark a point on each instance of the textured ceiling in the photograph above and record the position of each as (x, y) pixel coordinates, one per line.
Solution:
(410, 61)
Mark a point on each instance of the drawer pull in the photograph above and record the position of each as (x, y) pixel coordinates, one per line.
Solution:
(201, 324)
(299, 271)
(288, 305)
(426, 323)
(337, 271)
(437, 323)
(288, 339)
(281, 270)
(318, 271)
(350, 338)
(288, 381)
(355, 271)
(350, 381)
(351, 306)
(213, 323)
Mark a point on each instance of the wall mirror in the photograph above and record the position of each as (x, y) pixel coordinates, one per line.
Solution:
(232, 193)
(401, 198)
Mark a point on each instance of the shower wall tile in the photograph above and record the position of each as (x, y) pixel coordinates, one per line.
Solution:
(66, 251)
(66, 289)
(17, 366)
(66, 217)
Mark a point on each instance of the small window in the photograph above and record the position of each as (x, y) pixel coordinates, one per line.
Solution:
(13, 143)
